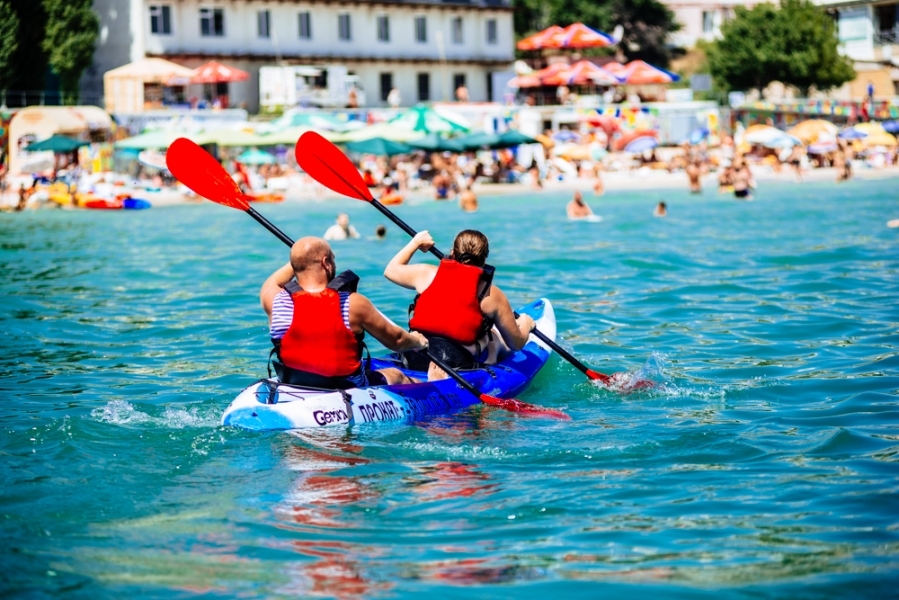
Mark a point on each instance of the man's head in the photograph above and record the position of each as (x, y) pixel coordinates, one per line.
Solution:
(578, 198)
(471, 248)
(312, 258)
(530, 101)
(343, 220)
(381, 231)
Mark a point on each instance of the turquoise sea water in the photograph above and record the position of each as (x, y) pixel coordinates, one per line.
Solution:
(765, 465)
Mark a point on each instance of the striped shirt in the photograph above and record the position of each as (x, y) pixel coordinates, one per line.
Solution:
(282, 313)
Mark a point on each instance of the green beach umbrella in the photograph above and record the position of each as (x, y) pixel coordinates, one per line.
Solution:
(387, 131)
(475, 141)
(59, 144)
(380, 147)
(255, 156)
(513, 137)
(427, 120)
(153, 140)
(436, 143)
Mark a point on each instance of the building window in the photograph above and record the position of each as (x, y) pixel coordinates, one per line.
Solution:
(383, 28)
(386, 85)
(161, 19)
(708, 21)
(343, 27)
(212, 22)
(305, 25)
(424, 87)
(458, 80)
(457, 30)
(491, 31)
(421, 30)
(263, 23)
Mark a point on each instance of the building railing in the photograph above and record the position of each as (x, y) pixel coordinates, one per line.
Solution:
(22, 98)
(886, 36)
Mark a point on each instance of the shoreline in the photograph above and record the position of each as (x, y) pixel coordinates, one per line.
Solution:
(644, 179)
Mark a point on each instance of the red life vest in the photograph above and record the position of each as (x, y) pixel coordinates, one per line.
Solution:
(318, 341)
(451, 306)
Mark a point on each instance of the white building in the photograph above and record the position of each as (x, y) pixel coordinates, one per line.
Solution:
(869, 34)
(425, 48)
(702, 19)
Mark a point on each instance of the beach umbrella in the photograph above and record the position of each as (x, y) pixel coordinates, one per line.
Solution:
(890, 126)
(58, 144)
(851, 133)
(216, 72)
(582, 73)
(565, 135)
(783, 141)
(879, 138)
(762, 135)
(387, 131)
(525, 81)
(254, 156)
(810, 130)
(823, 148)
(481, 139)
(513, 137)
(638, 72)
(641, 144)
(157, 139)
(425, 119)
(434, 142)
(152, 158)
(697, 136)
(578, 35)
(537, 41)
(379, 147)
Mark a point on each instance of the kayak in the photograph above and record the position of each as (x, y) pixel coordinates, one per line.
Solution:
(135, 204)
(271, 405)
(101, 204)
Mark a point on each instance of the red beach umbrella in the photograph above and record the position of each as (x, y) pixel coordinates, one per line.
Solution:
(582, 73)
(216, 72)
(579, 35)
(638, 72)
(537, 41)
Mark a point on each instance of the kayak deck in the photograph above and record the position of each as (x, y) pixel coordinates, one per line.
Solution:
(271, 405)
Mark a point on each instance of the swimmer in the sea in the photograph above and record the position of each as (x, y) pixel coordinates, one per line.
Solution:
(577, 208)
(468, 201)
(661, 210)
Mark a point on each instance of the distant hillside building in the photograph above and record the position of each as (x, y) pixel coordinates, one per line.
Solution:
(425, 48)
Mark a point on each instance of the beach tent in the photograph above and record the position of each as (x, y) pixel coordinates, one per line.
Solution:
(537, 41)
(124, 87)
(810, 130)
(578, 35)
(254, 156)
(425, 119)
(434, 142)
(387, 131)
(216, 72)
(58, 144)
(39, 122)
(638, 72)
(379, 147)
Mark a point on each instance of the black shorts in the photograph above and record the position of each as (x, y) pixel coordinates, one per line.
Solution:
(452, 353)
(741, 193)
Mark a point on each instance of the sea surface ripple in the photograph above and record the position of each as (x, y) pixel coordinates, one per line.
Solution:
(764, 465)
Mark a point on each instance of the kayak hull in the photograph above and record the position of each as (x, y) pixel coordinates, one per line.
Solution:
(270, 405)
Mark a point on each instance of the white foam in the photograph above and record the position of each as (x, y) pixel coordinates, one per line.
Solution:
(121, 412)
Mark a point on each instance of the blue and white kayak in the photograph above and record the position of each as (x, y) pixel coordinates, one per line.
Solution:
(271, 405)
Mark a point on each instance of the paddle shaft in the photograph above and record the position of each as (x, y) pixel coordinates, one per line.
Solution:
(539, 334)
(269, 225)
(452, 373)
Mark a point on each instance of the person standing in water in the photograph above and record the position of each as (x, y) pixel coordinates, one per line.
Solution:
(661, 210)
(468, 201)
(577, 208)
(341, 230)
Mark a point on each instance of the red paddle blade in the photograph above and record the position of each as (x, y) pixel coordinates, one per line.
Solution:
(326, 164)
(511, 404)
(604, 379)
(198, 170)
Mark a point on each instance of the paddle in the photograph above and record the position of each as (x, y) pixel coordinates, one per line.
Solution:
(325, 163)
(198, 170)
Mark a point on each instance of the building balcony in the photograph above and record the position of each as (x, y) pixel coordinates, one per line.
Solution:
(886, 36)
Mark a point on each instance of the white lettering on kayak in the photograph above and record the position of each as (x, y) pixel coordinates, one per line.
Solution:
(326, 417)
(433, 403)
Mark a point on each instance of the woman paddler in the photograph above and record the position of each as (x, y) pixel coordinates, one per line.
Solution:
(458, 308)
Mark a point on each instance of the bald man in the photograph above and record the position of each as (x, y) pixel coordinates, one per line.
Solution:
(318, 321)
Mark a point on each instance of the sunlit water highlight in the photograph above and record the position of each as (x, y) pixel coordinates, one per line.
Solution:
(764, 462)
